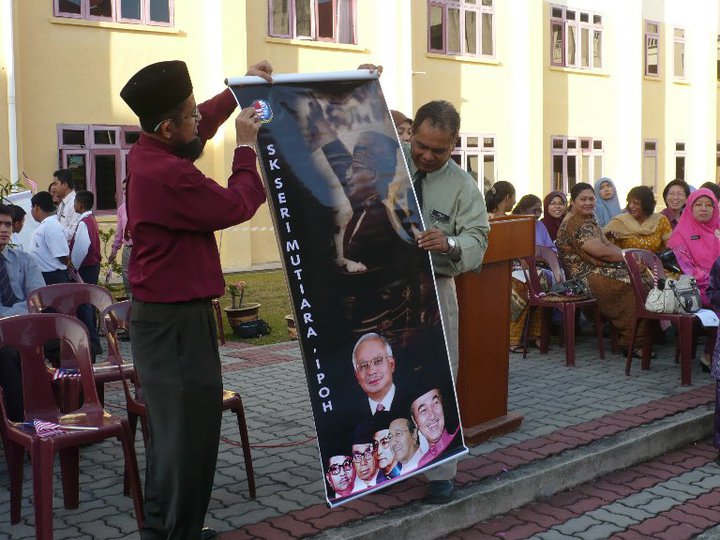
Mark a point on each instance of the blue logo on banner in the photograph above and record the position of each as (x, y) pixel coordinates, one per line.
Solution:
(263, 110)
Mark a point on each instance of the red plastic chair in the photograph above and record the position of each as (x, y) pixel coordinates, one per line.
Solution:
(118, 316)
(639, 261)
(27, 334)
(66, 298)
(218, 316)
(569, 308)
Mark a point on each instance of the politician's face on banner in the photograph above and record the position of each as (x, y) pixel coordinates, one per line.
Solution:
(429, 416)
(363, 456)
(403, 441)
(341, 475)
(374, 368)
(385, 457)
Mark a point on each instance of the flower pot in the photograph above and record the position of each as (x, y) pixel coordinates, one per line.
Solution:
(292, 328)
(237, 316)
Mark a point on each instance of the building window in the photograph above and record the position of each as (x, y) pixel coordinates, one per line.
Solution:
(475, 153)
(97, 156)
(576, 38)
(652, 49)
(680, 160)
(461, 27)
(575, 159)
(315, 20)
(679, 53)
(649, 167)
(152, 12)
(718, 58)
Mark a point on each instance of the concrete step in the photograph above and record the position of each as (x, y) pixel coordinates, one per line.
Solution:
(492, 496)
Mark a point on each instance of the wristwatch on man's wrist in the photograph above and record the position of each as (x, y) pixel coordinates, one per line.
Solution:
(451, 245)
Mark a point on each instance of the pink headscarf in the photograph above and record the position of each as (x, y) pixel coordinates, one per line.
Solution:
(698, 240)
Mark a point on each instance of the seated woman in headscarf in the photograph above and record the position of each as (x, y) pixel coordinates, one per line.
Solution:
(696, 239)
(675, 196)
(607, 205)
(588, 255)
(640, 227)
(528, 205)
(696, 243)
(554, 210)
(500, 198)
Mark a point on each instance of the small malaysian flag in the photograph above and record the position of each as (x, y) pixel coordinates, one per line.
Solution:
(47, 429)
(32, 184)
(65, 373)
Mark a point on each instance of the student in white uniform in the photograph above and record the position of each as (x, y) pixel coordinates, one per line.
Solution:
(65, 190)
(49, 246)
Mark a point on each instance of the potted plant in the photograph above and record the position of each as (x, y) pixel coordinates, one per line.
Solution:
(291, 326)
(238, 312)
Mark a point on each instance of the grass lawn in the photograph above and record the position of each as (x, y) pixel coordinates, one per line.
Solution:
(269, 288)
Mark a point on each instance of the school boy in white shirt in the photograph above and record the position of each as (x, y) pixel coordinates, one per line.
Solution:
(49, 246)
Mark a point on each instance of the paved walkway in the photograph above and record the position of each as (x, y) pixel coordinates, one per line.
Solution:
(673, 497)
(565, 409)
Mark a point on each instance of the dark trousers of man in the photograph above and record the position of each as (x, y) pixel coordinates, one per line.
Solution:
(86, 313)
(174, 348)
(11, 383)
(55, 277)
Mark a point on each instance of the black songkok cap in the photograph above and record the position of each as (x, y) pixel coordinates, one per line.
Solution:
(157, 88)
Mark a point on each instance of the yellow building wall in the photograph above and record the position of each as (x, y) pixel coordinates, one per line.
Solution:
(80, 81)
(71, 72)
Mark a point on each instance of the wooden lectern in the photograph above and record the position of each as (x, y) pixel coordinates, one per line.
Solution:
(484, 302)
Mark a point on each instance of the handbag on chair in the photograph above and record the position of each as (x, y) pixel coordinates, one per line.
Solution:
(687, 294)
(674, 296)
(661, 299)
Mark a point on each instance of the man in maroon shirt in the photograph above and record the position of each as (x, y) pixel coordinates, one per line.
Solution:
(173, 210)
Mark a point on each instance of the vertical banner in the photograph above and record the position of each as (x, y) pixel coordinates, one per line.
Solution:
(363, 293)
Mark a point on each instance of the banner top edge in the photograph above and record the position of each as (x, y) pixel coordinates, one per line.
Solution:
(285, 78)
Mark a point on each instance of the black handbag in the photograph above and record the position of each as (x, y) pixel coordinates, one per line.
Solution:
(252, 329)
(669, 261)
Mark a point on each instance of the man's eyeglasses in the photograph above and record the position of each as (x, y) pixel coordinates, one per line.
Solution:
(194, 114)
(367, 455)
(375, 362)
(346, 465)
(397, 433)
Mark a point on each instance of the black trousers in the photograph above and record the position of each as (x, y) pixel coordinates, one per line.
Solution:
(11, 383)
(55, 277)
(174, 348)
(86, 312)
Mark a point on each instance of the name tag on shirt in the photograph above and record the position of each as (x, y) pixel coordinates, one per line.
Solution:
(695, 237)
(439, 216)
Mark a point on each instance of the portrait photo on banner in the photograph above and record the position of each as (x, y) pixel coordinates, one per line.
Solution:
(366, 308)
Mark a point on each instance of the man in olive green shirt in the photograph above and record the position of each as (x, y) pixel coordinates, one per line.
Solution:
(456, 219)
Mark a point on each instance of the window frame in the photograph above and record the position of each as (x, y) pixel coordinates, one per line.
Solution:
(90, 149)
(463, 7)
(314, 19)
(463, 150)
(116, 16)
(575, 147)
(681, 153)
(680, 40)
(648, 36)
(650, 153)
(574, 21)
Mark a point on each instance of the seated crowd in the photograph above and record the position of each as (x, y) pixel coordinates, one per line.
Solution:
(589, 232)
(64, 247)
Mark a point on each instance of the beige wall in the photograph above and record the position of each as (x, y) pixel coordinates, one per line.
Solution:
(72, 71)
